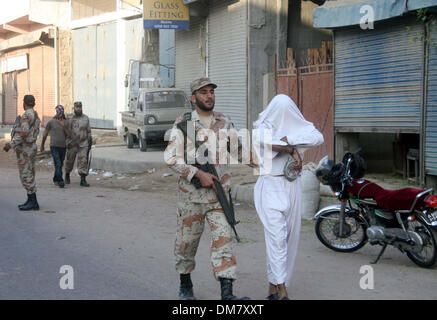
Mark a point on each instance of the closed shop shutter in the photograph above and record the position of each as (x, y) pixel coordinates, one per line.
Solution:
(94, 73)
(84, 70)
(106, 105)
(431, 110)
(10, 97)
(38, 80)
(227, 45)
(190, 54)
(378, 78)
(134, 40)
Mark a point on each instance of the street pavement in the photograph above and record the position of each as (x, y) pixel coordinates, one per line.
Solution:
(120, 246)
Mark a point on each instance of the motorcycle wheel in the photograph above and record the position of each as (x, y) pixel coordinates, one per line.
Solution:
(327, 231)
(427, 257)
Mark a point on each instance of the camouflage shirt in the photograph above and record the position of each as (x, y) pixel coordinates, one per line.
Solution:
(175, 161)
(80, 131)
(28, 129)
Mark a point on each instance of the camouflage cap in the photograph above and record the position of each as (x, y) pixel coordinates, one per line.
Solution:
(200, 83)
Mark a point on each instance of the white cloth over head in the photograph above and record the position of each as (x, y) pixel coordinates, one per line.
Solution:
(277, 200)
(283, 119)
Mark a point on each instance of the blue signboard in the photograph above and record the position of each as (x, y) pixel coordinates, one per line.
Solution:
(166, 14)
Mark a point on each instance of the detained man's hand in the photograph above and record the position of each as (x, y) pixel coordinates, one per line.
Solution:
(298, 165)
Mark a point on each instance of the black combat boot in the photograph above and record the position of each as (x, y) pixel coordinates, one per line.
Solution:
(226, 286)
(24, 204)
(186, 288)
(67, 178)
(32, 204)
(83, 182)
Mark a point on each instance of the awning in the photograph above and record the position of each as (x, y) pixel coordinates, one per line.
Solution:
(419, 4)
(347, 12)
(24, 40)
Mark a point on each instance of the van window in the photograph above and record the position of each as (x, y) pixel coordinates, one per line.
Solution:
(167, 99)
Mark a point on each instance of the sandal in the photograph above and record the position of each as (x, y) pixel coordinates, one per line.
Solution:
(273, 296)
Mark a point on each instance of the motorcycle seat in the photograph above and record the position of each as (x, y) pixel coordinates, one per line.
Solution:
(401, 199)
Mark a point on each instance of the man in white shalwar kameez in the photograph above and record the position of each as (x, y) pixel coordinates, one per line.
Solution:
(278, 200)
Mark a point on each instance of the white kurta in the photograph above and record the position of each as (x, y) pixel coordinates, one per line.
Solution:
(277, 200)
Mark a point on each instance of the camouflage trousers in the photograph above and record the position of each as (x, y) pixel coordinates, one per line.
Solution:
(82, 159)
(26, 156)
(191, 220)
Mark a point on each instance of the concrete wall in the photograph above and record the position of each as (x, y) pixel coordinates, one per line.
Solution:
(130, 3)
(50, 12)
(65, 85)
(88, 8)
(45, 12)
(267, 32)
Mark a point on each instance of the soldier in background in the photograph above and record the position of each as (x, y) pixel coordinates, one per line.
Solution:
(24, 143)
(78, 144)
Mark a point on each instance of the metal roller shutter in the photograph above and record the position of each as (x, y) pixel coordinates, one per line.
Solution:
(106, 105)
(94, 73)
(378, 78)
(190, 53)
(84, 70)
(227, 44)
(431, 110)
(10, 97)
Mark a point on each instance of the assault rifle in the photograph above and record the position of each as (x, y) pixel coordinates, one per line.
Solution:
(15, 128)
(228, 207)
(89, 155)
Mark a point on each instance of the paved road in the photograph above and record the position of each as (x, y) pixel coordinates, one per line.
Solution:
(120, 245)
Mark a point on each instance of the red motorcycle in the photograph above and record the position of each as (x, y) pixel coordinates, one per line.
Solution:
(404, 218)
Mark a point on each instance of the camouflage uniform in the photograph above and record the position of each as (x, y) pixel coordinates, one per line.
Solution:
(77, 143)
(196, 205)
(24, 144)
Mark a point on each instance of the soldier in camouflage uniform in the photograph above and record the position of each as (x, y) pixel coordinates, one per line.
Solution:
(197, 205)
(24, 144)
(78, 144)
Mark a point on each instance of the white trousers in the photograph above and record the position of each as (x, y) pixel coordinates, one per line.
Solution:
(278, 204)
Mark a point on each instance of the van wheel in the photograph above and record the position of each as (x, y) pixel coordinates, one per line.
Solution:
(142, 143)
(129, 140)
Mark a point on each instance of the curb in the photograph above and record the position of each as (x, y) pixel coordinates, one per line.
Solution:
(123, 166)
(117, 158)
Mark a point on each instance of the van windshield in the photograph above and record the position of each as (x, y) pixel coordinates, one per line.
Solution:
(166, 99)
